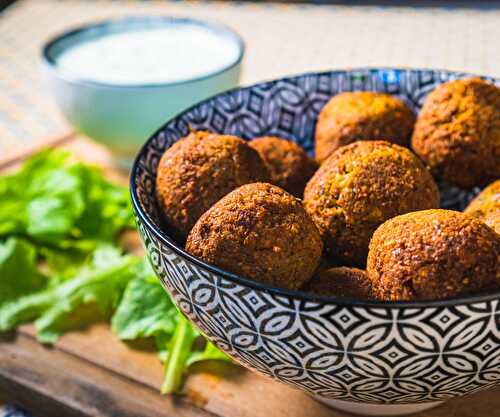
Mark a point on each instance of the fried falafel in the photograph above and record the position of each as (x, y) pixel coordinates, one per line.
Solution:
(259, 231)
(358, 188)
(362, 115)
(341, 282)
(433, 254)
(199, 170)
(289, 165)
(458, 132)
(486, 206)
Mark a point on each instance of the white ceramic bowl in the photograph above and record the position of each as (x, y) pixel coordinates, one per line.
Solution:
(123, 116)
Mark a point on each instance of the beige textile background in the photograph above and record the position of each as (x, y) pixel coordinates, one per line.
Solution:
(280, 39)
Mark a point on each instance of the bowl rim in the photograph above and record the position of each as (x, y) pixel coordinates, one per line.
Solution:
(295, 294)
(221, 29)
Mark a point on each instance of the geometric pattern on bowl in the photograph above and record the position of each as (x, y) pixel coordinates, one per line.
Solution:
(367, 352)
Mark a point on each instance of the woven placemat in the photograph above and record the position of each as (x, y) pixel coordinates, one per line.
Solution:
(280, 40)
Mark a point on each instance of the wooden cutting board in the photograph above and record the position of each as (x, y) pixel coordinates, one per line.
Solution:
(91, 373)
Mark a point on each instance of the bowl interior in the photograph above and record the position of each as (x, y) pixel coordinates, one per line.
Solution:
(285, 107)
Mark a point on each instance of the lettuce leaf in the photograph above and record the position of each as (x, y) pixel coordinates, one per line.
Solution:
(64, 218)
(62, 205)
(146, 310)
(18, 270)
(55, 309)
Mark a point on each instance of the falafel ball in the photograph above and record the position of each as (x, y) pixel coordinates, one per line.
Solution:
(433, 254)
(458, 132)
(341, 282)
(199, 170)
(362, 115)
(259, 231)
(358, 188)
(486, 206)
(289, 165)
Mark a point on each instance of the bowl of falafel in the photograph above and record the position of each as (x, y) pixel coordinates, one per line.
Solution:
(337, 231)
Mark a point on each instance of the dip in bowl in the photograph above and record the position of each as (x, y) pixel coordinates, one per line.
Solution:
(117, 81)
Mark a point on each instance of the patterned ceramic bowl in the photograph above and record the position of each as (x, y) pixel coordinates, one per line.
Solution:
(365, 357)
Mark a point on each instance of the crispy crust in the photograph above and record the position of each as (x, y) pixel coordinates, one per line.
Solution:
(199, 170)
(341, 282)
(362, 115)
(486, 206)
(458, 132)
(433, 254)
(259, 231)
(358, 188)
(289, 165)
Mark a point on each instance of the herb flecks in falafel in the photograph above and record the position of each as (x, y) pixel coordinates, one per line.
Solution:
(358, 188)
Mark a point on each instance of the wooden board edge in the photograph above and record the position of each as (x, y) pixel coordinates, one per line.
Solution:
(75, 387)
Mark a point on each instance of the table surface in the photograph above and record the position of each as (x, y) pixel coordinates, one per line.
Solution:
(280, 40)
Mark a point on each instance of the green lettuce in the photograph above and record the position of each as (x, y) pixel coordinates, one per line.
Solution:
(61, 266)
(55, 309)
(68, 208)
(19, 273)
(147, 311)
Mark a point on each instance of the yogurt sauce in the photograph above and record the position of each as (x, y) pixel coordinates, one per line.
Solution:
(151, 55)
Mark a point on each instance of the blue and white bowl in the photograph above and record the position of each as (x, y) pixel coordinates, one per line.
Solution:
(368, 357)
